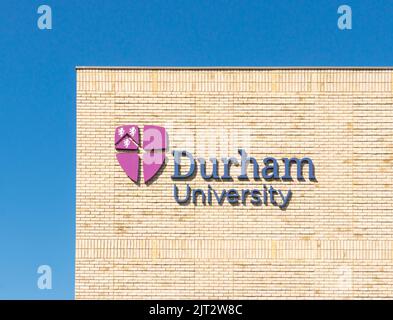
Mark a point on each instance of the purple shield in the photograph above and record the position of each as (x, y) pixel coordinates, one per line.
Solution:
(127, 141)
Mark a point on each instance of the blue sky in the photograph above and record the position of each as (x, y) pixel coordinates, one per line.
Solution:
(37, 93)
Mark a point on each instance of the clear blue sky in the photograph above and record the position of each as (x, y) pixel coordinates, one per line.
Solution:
(37, 85)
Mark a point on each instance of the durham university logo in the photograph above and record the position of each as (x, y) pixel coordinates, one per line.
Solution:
(154, 145)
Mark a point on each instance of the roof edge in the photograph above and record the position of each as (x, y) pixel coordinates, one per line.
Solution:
(235, 68)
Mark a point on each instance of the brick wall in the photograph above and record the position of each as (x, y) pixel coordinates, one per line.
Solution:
(334, 240)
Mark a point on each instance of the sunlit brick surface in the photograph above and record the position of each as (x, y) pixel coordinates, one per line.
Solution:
(334, 240)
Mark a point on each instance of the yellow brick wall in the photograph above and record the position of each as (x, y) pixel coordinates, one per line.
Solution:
(333, 241)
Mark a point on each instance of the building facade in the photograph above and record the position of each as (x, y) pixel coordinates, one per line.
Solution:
(327, 236)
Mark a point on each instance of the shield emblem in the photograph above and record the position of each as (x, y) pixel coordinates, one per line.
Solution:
(154, 144)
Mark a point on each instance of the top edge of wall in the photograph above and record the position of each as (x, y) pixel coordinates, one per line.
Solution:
(233, 68)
